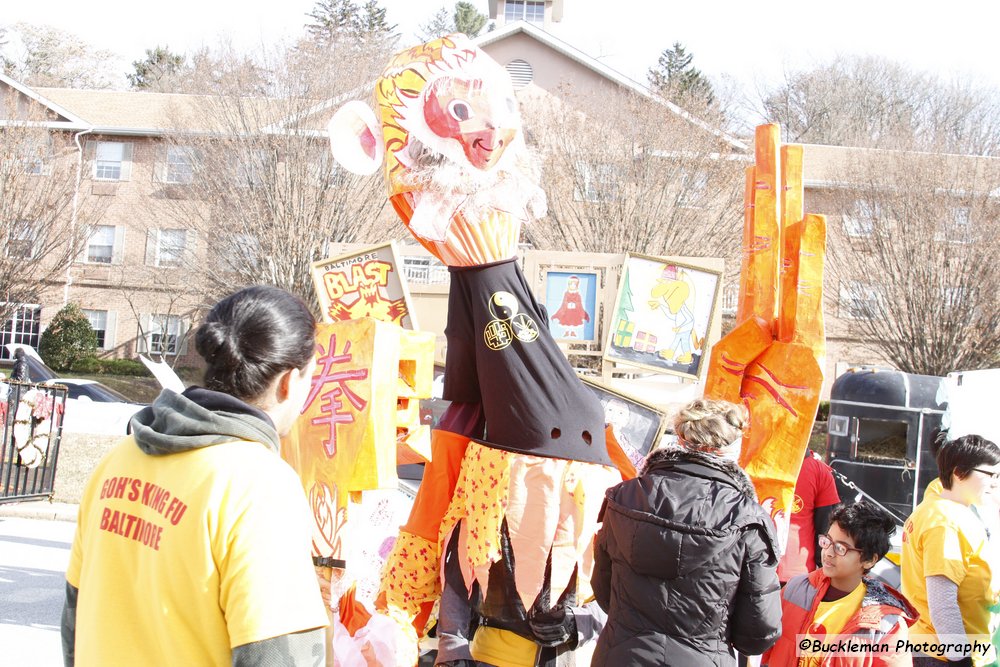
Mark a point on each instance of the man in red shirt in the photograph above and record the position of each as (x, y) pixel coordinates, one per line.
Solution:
(815, 496)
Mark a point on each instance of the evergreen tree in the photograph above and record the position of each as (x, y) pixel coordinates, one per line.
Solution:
(677, 80)
(372, 20)
(68, 338)
(440, 24)
(468, 19)
(337, 21)
(158, 64)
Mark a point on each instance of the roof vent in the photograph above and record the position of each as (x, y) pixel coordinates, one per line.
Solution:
(520, 73)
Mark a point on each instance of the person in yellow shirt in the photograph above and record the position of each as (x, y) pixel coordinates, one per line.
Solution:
(193, 543)
(950, 567)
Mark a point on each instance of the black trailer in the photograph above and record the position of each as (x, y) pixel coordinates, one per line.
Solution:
(879, 435)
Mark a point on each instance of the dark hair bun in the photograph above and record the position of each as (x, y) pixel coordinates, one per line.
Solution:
(215, 344)
(252, 336)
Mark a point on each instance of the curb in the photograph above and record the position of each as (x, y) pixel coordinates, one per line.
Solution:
(39, 509)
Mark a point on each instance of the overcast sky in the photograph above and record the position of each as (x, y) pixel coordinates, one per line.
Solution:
(751, 41)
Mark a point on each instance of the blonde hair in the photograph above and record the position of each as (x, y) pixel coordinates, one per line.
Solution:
(711, 424)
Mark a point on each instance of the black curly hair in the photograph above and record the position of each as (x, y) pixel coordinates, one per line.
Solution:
(868, 525)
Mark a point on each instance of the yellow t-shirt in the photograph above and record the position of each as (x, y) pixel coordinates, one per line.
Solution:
(180, 558)
(831, 618)
(946, 538)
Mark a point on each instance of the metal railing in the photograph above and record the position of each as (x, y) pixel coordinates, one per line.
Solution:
(32, 417)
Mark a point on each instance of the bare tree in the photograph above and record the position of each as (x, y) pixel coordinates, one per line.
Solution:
(629, 174)
(913, 271)
(260, 190)
(164, 335)
(42, 229)
(875, 102)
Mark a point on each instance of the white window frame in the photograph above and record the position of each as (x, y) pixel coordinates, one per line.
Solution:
(37, 160)
(103, 322)
(24, 326)
(525, 10)
(162, 249)
(108, 234)
(177, 165)
(22, 233)
(157, 329)
(598, 182)
(693, 188)
(859, 300)
(861, 221)
(111, 167)
(250, 174)
(957, 227)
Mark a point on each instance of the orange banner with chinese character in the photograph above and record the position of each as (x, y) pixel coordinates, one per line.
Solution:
(363, 402)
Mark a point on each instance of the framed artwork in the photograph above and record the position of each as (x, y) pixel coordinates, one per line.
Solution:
(364, 283)
(662, 316)
(576, 289)
(571, 301)
(637, 426)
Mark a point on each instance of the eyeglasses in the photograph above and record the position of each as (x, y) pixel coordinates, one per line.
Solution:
(839, 548)
(992, 474)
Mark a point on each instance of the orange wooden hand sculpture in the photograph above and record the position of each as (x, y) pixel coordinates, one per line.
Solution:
(772, 360)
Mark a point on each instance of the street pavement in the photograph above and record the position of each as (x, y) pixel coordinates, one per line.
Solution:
(34, 552)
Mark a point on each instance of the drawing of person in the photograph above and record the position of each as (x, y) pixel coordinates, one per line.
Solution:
(674, 295)
(617, 415)
(571, 314)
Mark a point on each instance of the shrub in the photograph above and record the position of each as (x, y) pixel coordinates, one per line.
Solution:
(89, 365)
(68, 338)
(823, 411)
(123, 367)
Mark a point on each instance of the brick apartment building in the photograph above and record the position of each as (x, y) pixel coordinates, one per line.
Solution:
(129, 276)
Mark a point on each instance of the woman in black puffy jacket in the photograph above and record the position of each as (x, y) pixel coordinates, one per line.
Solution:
(685, 561)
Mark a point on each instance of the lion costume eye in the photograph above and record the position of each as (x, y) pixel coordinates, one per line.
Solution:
(460, 110)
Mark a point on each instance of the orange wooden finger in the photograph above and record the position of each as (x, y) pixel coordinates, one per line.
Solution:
(764, 251)
(791, 232)
(809, 328)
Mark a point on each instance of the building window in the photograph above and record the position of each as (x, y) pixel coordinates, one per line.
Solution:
(99, 323)
(168, 247)
(693, 188)
(859, 301)
(163, 334)
(596, 182)
(21, 241)
(24, 326)
(101, 244)
(37, 156)
(956, 226)
(178, 165)
(252, 165)
(532, 11)
(112, 160)
(861, 220)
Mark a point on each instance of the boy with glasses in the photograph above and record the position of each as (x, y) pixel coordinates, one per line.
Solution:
(839, 601)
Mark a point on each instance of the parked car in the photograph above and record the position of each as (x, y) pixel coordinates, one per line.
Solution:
(91, 407)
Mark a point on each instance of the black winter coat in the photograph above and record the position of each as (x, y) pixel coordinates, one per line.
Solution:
(685, 566)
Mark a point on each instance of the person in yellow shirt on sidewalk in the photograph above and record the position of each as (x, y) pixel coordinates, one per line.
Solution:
(950, 568)
(193, 544)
